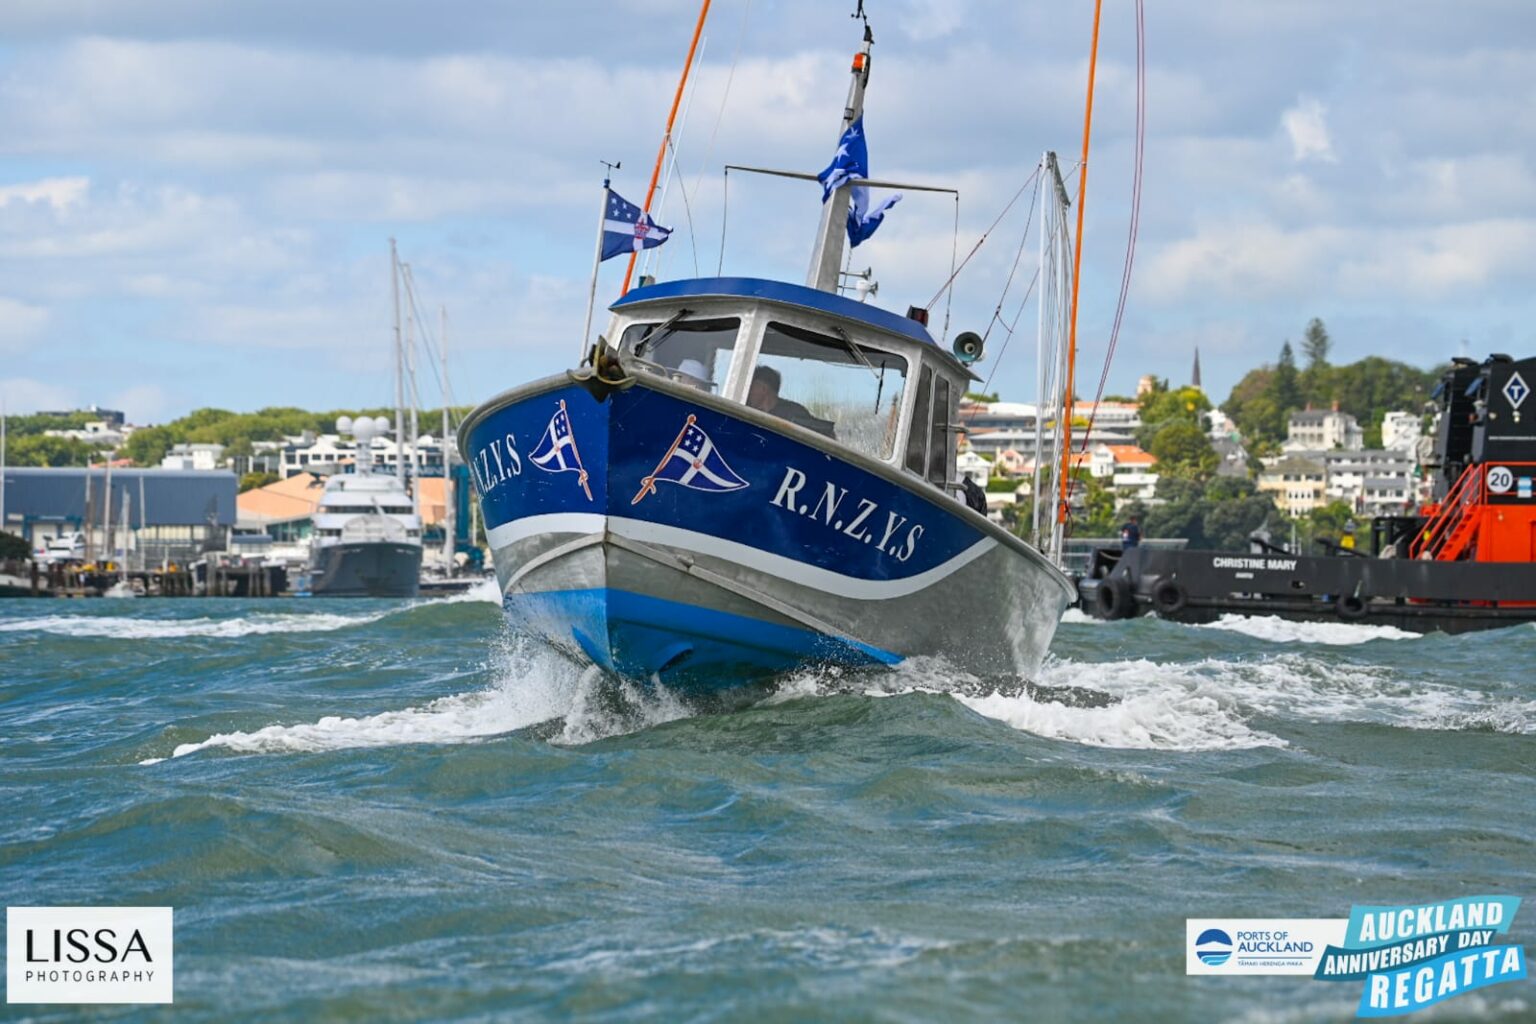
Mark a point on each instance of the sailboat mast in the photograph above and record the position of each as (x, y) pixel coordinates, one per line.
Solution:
(827, 257)
(1068, 402)
(666, 138)
(394, 287)
(106, 514)
(442, 355)
(413, 392)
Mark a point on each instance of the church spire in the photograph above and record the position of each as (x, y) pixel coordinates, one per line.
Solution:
(1194, 379)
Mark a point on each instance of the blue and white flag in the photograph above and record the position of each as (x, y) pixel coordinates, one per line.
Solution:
(862, 221)
(626, 230)
(694, 462)
(556, 451)
(851, 160)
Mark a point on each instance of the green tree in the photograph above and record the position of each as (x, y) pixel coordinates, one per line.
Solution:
(1182, 449)
(1315, 344)
(148, 445)
(42, 450)
(13, 548)
(250, 481)
(1285, 385)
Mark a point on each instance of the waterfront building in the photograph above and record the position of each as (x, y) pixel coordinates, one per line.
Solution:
(1297, 484)
(194, 456)
(1400, 431)
(173, 515)
(1322, 430)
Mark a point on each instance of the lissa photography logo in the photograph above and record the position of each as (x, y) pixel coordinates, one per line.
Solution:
(88, 955)
(1408, 957)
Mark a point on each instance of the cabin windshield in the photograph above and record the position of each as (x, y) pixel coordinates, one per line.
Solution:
(694, 352)
(830, 384)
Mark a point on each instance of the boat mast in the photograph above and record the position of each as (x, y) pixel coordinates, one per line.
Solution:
(1067, 401)
(106, 514)
(394, 287)
(597, 257)
(1036, 510)
(414, 392)
(442, 355)
(827, 257)
(666, 138)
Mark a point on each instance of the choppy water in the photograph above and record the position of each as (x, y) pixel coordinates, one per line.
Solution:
(380, 811)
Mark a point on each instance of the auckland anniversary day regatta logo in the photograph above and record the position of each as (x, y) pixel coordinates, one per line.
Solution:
(1409, 957)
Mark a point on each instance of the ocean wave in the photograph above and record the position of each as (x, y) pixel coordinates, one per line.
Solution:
(127, 628)
(1269, 627)
(1154, 707)
(535, 688)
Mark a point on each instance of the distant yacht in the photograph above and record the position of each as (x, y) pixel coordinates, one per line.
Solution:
(367, 537)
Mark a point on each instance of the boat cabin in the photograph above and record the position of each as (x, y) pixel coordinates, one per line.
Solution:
(867, 378)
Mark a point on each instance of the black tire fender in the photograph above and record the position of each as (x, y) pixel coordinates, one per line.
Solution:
(1351, 607)
(1113, 599)
(1169, 597)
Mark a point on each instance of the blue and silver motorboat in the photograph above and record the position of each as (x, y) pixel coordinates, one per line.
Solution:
(745, 477)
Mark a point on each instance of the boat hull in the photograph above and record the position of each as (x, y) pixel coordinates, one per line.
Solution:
(779, 550)
(365, 569)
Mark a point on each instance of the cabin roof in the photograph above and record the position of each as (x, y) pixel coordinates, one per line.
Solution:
(780, 291)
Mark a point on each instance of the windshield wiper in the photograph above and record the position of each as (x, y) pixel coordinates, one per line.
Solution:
(661, 331)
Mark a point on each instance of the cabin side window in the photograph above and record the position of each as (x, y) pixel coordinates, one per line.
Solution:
(831, 384)
(917, 437)
(693, 352)
(940, 451)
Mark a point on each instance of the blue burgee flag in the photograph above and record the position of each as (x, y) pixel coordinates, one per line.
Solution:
(694, 462)
(556, 451)
(862, 221)
(850, 161)
(625, 230)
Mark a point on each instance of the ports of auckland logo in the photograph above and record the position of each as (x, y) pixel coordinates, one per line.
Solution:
(1213, 947)
(1406, 957)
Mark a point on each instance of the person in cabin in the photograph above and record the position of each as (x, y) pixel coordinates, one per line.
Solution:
(1130, 534)
(764, 397)
(693, 373)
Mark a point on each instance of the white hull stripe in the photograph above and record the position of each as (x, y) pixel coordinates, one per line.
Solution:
(742, 554)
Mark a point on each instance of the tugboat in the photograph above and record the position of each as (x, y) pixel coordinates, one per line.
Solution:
(1465, 561)
(745, 477)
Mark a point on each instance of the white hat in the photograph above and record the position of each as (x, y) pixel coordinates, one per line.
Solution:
(695, 369)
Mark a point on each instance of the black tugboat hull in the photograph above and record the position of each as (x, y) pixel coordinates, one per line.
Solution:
(1417, 596)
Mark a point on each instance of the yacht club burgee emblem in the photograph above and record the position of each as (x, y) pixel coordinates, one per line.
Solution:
(693, 461)
(558, 440)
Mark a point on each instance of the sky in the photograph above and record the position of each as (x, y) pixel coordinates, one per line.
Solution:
(196, 199)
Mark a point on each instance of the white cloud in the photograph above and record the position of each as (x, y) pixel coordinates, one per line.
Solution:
(56, 192)
(1306, 125)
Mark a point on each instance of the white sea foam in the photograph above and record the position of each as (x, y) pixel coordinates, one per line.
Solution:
(1078, 617)
(1156, 707)
(128, 628)
(534, 687)
(486, 590)
(1268, 627)
(1212, 704)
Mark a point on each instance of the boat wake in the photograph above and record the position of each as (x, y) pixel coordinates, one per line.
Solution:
(536, 691)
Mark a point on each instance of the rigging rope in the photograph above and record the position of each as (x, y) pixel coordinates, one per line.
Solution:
(1135, 221)
(982, 240)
